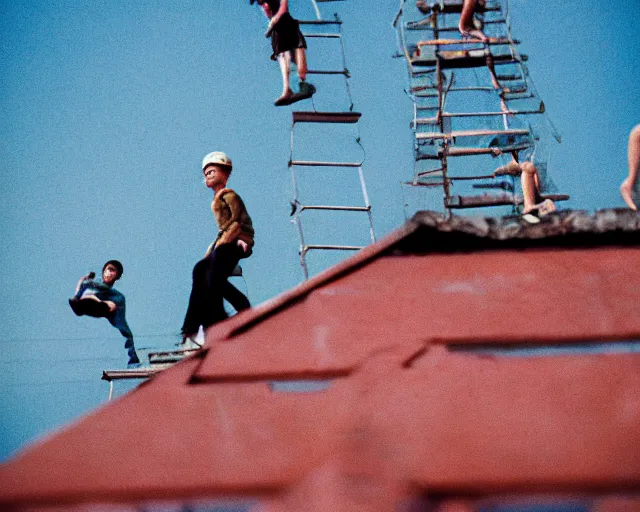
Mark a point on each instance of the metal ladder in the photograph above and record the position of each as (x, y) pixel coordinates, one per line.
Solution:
(442, 68)
(315, 120)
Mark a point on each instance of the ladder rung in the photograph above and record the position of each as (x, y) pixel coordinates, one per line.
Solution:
(555, 197)
(422, 184)
(448, 42)
(433, 120)
(336, 208)
(484, 200)
(452, 6)
(424, 120)
(464, 61)
(133, 373)
(480, 201)
(307, 248)
(481, 151)
(328, 72)
(469, 133)
(326, 117)
(456, 29)
(314, 163)
(482, 114)
(156, 360)
(170, 356)
(325, 36)
(320, 22)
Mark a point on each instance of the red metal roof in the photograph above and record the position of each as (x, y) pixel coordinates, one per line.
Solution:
(401, 414)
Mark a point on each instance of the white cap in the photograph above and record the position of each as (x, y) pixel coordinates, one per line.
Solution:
(217, 158)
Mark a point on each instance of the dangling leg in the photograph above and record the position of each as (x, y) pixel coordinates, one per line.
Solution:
(284, 59)
(301, 63)
(629, 186)
(306, 89)
(531, 191)
(529, 182)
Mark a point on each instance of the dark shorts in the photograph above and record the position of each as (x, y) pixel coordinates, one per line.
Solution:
(286, 36)
(89, 307)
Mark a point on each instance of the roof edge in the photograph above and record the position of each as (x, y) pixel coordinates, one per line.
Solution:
(247, 319)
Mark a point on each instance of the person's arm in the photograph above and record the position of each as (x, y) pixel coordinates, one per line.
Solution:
(232, 227)
(83, 280)
(275, 18)
(209, 249)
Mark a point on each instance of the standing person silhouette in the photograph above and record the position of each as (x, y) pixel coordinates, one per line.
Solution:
(234, 242)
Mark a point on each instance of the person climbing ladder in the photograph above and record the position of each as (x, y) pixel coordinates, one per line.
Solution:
(234, 242)
(99, 299)
(288, 44)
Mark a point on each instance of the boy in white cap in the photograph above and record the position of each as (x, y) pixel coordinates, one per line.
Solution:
(234, 242)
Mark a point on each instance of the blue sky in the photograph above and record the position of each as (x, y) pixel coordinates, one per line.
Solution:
(108, 109)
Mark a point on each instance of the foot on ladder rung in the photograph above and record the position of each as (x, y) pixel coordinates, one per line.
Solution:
(326, 117)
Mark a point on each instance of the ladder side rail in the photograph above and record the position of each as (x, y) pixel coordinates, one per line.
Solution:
(296, 213)
(367, 203)
(444, 164)
(403, 44)
(344, 65)
(316, 9)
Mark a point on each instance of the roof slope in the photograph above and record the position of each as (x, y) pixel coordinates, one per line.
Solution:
(399, 409)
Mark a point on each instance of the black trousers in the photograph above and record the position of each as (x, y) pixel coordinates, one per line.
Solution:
(210, 287)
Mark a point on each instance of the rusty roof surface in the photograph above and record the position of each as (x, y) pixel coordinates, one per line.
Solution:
(400, 411)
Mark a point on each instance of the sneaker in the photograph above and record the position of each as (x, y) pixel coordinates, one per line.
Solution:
(306, 90)
(531, 217)
(74, 303)
(285, 99)
(133, 360)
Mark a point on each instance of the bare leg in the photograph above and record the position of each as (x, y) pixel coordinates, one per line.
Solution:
(629, 186)
(284, 59)
(529, 182)
(531, 190)
(492, 72)
(466, 25)
(301, 63)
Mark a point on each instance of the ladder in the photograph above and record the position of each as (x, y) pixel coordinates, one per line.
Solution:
(337, 168)
(473, 99)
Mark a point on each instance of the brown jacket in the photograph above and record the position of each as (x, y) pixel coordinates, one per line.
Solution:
(232, 218)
